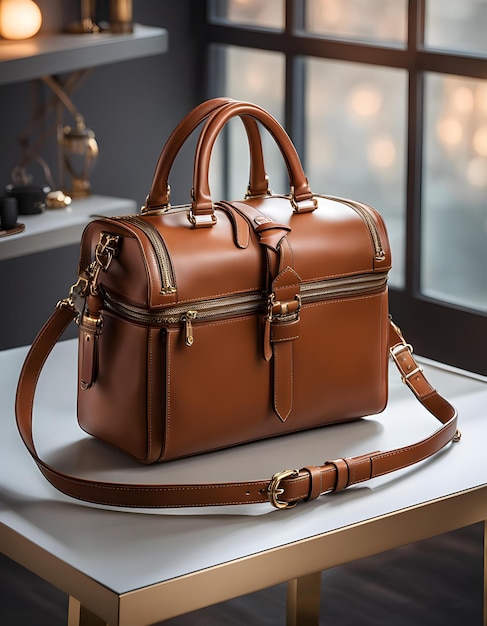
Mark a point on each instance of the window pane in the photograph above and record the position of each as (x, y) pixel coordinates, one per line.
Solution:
(255, 76)
(383, 21)
(456, 25)
(355, 140)
(259, 13)
(454, 212)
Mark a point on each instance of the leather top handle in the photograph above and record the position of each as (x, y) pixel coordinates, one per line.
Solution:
(202, 214)
(158, 197)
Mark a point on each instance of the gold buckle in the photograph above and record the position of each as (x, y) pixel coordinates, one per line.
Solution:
(285, 313)
(274, 490)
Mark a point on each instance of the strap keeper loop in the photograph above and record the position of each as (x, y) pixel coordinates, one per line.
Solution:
(343, 473)
(315, 482)
(400, 347)
(407, 376)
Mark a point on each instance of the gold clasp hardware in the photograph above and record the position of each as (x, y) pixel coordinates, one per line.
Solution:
(78, 290)
(274, 490)
(201, 221)
(302, 206)
(207, 220)
(283, 310)
(105, 250)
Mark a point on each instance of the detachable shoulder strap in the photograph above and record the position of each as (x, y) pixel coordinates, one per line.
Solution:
(283, 490)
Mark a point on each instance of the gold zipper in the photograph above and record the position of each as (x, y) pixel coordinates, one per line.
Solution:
(233, 306)
(239, 305)
(187, 320)
(203, 309)
(166, 272)
(336, 287)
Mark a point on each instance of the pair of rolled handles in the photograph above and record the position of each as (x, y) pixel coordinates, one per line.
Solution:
(216, 113)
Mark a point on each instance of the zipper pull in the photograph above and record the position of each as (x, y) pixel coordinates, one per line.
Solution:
(188, 326)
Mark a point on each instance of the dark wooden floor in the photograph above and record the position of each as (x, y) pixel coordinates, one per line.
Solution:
(437, 582)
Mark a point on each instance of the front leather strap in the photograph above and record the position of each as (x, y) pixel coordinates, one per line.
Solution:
(284, 318)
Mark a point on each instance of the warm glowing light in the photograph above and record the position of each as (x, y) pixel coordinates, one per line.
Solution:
(477, 172)
(479, 140)
(463, 100)
(382, 152)
(481, 97)
(450, 131)
(256, 78)
(19, 19)
(366, 101)
(330, 14)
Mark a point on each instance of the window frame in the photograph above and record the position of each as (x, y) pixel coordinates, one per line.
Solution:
(439, 330)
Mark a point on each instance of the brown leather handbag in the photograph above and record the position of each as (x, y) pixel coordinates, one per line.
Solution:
(217, 323)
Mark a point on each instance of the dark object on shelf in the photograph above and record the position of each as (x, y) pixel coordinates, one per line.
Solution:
(8, 213)
(30, 199)
(19, 228)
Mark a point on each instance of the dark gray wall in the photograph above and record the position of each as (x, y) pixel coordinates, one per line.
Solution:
(132, 106)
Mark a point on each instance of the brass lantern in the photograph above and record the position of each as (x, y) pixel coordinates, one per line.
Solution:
(79, 153)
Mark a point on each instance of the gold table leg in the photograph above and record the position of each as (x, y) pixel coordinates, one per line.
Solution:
(79, 615)
(485, 574)
(303, 600)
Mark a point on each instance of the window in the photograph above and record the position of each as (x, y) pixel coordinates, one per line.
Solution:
(386, 102)
(355, 139)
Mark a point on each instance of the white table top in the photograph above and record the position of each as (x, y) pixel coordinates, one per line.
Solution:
(128, 550)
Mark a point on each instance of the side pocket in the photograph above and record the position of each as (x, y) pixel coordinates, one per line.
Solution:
(119, 408)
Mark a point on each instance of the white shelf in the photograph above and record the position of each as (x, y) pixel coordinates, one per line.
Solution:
(60, 227)
(59, 53)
